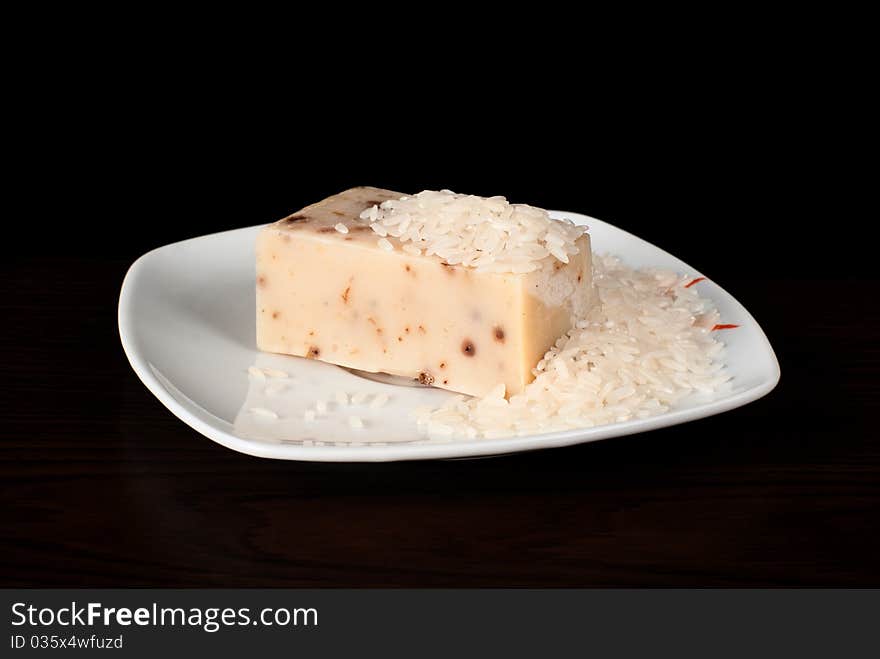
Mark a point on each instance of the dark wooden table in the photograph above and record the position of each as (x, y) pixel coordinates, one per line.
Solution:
(102, 486)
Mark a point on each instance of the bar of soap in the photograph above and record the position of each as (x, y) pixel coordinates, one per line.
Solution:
(328, 290)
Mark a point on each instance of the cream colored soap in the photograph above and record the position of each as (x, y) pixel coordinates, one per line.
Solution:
(337, 296)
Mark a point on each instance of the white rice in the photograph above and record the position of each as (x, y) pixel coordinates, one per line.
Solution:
(642, 348)
(263, 412)
(341, 228)
(486, 233)
(359, 397)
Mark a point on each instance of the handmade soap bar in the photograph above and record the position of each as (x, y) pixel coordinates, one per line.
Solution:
(330, 288)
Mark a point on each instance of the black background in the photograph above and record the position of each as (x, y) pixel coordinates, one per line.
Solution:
(731, 166)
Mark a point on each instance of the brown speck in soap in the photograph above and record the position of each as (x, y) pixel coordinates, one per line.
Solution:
(347, 238)
(422, 329)
(448, 268)
(442, 364)
(557, 266)
(296, 218)
(312, 333)
(468, 348)
(406, 329)
(580, 276)
(345, 294)
(400, 338)
(276, 314)
(339, 213)
(499, 334)
(426, 378)
(408, 268)
(313, 353)
(371, 320)
(326, 230)
(378, 330)
(359, 228)
(445, 381)
(261, 281)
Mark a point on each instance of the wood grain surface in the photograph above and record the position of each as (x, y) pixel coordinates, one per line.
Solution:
(102, 486)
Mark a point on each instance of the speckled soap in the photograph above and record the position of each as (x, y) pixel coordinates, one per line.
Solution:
(340, 298)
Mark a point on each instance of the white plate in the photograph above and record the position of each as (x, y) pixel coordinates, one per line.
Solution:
(186, 320)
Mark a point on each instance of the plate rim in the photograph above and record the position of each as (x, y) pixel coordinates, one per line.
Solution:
(409, 451)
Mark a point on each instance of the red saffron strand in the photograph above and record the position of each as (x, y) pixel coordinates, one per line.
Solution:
(695, 281)
(720, 327)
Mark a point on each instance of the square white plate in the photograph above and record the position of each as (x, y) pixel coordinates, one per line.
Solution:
(187, 324)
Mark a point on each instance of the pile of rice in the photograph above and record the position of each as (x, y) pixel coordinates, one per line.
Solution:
(488, 234)
(645, 345)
